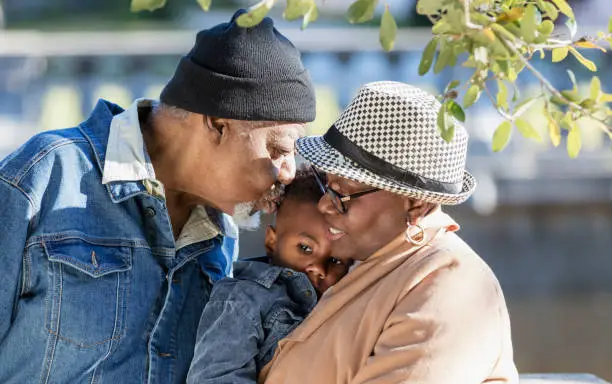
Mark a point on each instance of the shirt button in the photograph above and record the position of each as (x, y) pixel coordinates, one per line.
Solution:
(308, 293)
(288, 273)
(149, 212)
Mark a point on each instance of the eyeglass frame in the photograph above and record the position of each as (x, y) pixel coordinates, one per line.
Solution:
(338, 199)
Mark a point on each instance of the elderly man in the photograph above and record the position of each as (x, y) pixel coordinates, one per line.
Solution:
(112, 232)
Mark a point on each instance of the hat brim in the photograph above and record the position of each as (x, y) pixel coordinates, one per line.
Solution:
(324, 157)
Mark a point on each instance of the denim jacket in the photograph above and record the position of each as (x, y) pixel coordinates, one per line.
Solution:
(244, 320)
(94, 289)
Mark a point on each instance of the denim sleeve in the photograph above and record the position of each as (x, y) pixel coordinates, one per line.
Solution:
(227, 343)
(15, 214)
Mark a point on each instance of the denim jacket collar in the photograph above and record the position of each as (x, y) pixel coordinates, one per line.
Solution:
(259, 270)
(96, 130)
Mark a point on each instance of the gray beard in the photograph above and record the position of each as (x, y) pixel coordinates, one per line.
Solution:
(243, 218)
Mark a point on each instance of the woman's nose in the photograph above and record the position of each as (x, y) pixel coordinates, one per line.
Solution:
(326, 206)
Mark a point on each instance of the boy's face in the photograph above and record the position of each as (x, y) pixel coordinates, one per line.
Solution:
(301, 242)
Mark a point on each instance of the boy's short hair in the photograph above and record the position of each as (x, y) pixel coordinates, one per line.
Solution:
(304, 188)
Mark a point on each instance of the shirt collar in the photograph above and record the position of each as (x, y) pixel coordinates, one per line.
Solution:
(126, 156)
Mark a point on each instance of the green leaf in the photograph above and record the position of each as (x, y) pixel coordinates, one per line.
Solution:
(502, 95)
(452, 85)
(584, 61)
(550, 10)
(574, 141)
(527, 130)
(311, 15)
(610, 25)
(455, 109)
(255, 14)
(523, 106)
(572, 26)
(529, 24)
(499, 51)
(205, 4)
(296, 9)
(503, 67)
(546, 27)
(558, 54)
(512, 75)
(588, 103)
(445, 125)
(444, 58)
(554, 131)
(450, 133)
(361, 11)
(429, 7)
(471, 96)
(428, 56)
(388, 30)
(571, 95)
(511, 15)
(502, 136)
(507, 31)
(542, 54)
(595, 89)
(146, 5)
(564, 8)
(516, 93)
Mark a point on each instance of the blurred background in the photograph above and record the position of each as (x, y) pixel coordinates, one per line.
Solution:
(542, 221)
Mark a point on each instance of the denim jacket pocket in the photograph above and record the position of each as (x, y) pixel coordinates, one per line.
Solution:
(87, 302)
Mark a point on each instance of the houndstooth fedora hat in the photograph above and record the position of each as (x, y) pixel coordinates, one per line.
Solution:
(388, 138)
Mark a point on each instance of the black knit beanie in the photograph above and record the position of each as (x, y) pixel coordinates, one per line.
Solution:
(243, 74)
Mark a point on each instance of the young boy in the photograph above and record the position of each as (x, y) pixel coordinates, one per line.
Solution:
(269, 296)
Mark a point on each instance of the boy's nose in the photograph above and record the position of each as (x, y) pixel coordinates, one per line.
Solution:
(316, 270)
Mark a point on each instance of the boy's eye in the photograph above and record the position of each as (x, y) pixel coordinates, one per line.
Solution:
(335, 261)
(305, 249)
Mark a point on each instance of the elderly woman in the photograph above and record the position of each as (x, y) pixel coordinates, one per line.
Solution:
(422, 306)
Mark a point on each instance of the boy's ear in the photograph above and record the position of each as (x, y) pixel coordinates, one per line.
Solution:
(270, 240)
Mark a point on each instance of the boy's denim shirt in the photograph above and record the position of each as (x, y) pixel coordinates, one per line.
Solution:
(93, 287)
(244, 320)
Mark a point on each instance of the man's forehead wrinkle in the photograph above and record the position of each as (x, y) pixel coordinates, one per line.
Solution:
(292, 132)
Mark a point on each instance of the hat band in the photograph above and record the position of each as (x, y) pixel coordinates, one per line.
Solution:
(382, 168)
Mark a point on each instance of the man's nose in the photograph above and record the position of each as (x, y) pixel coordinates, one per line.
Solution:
(286, 172)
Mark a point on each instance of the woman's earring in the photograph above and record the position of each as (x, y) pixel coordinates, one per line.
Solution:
(417, 239)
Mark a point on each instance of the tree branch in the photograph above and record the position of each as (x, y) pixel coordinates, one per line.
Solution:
(499, 110)
(468, 21)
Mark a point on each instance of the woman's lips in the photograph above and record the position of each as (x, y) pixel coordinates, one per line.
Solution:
(335, 234)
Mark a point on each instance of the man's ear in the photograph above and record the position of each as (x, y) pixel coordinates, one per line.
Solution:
(270, 240)
(416, 209)
(216, 127)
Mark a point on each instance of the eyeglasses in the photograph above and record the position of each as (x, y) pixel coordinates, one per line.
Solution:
(336, 198)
